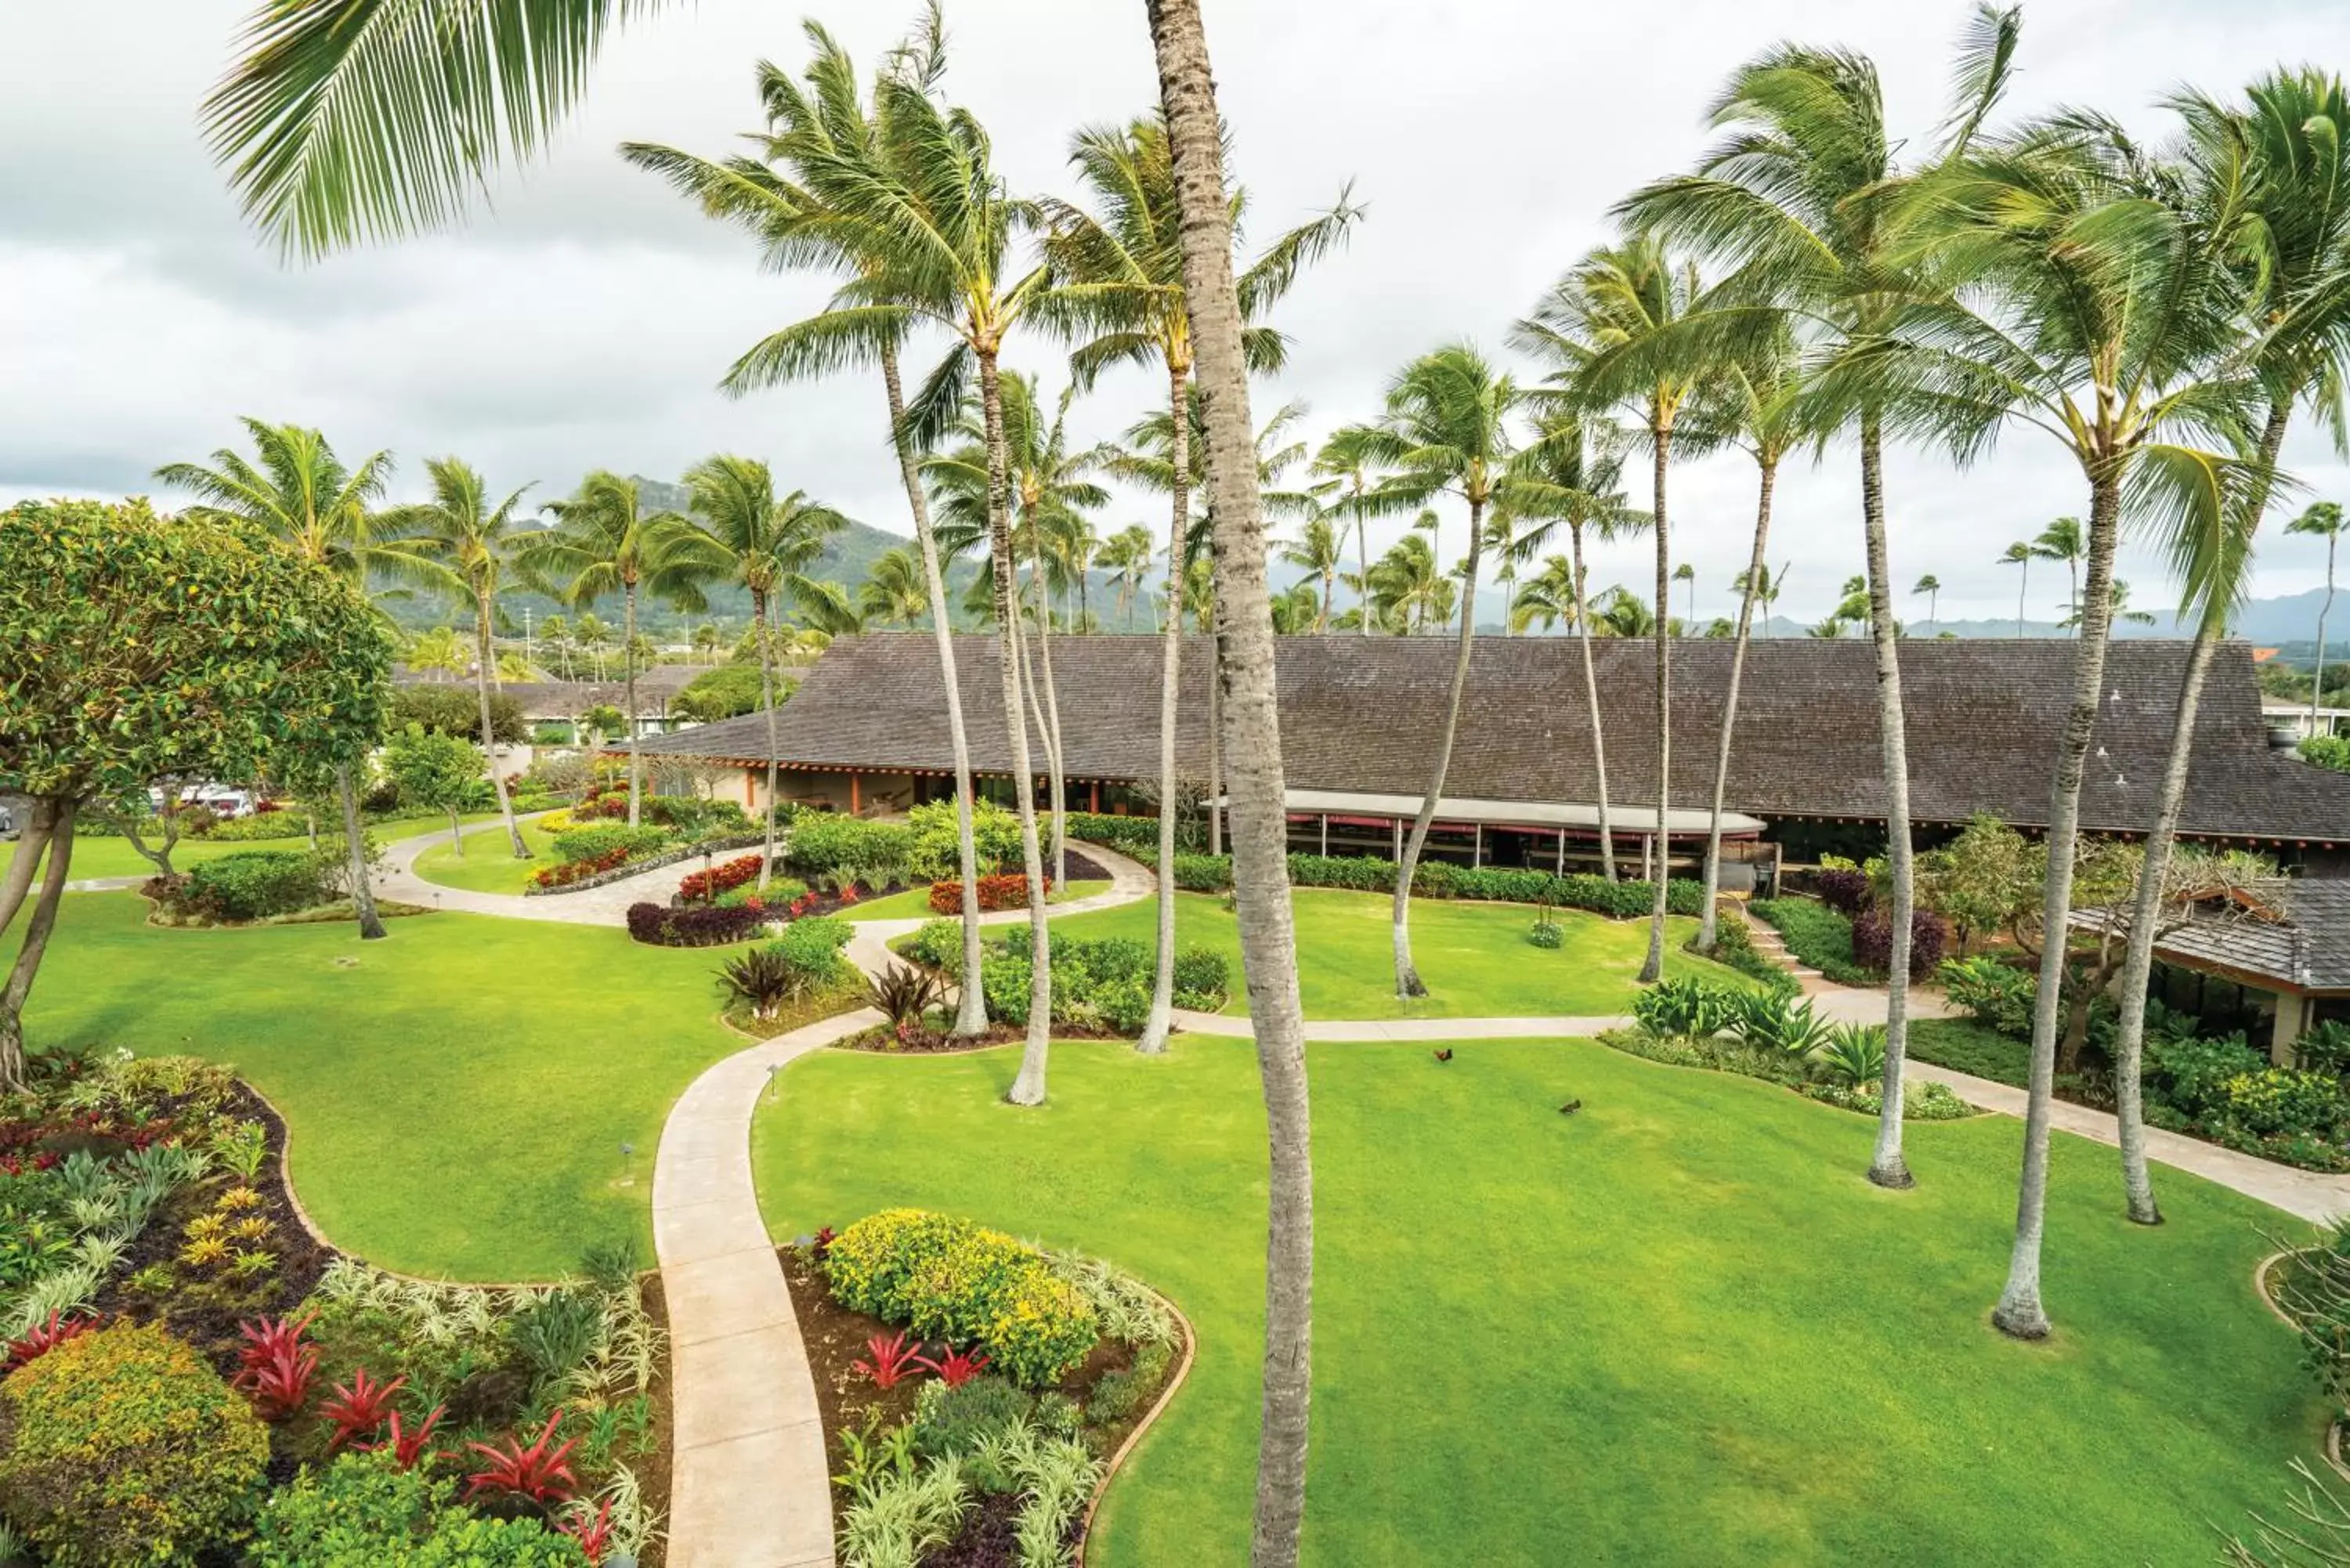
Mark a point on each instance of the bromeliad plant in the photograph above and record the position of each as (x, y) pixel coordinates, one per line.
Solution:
(359, 1408)
(1779, 1025)
(894, 1359)
(407, 1447)
(539, 1472)
(42, 1339)
(955, 1367)
(275, 1367)
(904, 993)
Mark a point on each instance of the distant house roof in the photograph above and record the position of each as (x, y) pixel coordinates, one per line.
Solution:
(2300, 939)
(1360, 714)
(571, 699)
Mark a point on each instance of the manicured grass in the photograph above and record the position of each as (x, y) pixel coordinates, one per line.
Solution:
(1818, 935)
(1964, 1045)
(914, 903)
(1474, 957)
(96, 857)
(1677, 1328)
(489, 865)
(458, 1093)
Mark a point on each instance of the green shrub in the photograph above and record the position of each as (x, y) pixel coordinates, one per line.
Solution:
(957, 1420)
(949, 1279)
(936, 853)
(124, 1447)
(1854, 1054)
(1998, 994)
(811, 946)
(1734, 948)
(1118, 1395)
(596, 841)
(1135, 836)
(1547, 934)
(1687, 1007)
(1203, 978)
(1779, 1024)
(939, 943)
(829, 846)
(364, 1511)
(254, 883)
(1818, 935)
(2282, 1101)
(693, 817)
(1203, 873)
(2328, 751)
(2194, 1074)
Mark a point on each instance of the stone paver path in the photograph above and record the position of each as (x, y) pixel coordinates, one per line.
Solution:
(605, 906)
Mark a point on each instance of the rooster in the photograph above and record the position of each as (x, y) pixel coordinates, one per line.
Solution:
(1444, 1054)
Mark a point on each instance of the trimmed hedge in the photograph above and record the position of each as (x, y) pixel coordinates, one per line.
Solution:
(1136, 836)
(828, 844)
(603, 839)
(253, 884)
(1099, 982)
(1442, 880)
(696, 925)
(1002, 892)
(949, 1279)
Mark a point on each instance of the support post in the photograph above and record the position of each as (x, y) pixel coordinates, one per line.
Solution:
(855, 803)
(1325, 835)
(1477, 846)
(1397, 824)
(1647, 858)
(1093, 797)
(1562, 852)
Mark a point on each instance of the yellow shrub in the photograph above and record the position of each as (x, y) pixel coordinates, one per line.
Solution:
(950, 1279)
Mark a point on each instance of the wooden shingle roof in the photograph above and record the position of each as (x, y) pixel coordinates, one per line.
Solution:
(1363, 714)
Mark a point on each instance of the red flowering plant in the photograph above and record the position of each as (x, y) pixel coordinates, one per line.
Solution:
(539, 1472)
(359, 1408)
(275, 1368)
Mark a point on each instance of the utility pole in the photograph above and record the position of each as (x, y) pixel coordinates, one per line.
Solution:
(526, 639)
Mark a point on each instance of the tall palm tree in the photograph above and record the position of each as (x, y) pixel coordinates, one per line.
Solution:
(1119, 263)
(768, 544)
(1793, 199)
(2270, 176)
(2020, 554)
(604, 539)
(1345, 470)
(302, 492)
(1614, 328)
(1446, 430)
(595, 636)
(2323, 521)
(1567, 477)
(439, 650)
(1618, 612)
(1687, 573)
(1077, 547)
(1260, 823)
(2062, 541)
(1319, 554)
(822, 133)
(464, 542)
(1408, 589)
(893, 592)
(1127, 555)
(1931, 587)
(1549, 596)
(2090, 303)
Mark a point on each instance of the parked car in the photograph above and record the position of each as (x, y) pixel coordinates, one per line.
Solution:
(8, 827)
(219, 799)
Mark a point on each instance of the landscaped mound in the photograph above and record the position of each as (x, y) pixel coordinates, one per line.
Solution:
(256, 886)
(1099, 983)
(973, 1385)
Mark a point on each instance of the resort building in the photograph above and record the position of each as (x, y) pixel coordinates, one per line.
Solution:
(1360, 717)
(2275, 962)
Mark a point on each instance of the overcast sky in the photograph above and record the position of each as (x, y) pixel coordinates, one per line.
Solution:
(582, 316)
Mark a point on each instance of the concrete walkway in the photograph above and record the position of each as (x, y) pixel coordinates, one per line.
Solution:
(750, 1484)
(1130, 881)
(605, 906)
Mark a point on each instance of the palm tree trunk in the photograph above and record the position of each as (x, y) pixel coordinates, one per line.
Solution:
(1708, 923)
(1363, 561)
(2019, 1312)
(36, 943)
(1215, 711)
(1591, 695)
(355, 847)
(971, 1007)
(1653, 968)
(1162, 1021)
(767, 706)
(1052, 717)
(1886, 1168)
(629, 694)
(489, 743)
(2317, 675)
(1028, 1087)
(1407, 980)
(2023, 587)
(1259, 824)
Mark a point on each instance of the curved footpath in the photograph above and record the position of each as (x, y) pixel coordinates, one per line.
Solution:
(750, 1487)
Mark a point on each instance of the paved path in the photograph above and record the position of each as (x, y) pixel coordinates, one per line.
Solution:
(749, 1481)
(605, 906)
(1130, 881)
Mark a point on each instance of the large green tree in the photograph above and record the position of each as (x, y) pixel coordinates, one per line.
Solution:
(144, 646)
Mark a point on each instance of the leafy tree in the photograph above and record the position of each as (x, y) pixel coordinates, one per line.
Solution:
(437, 770)
(144, 648)
(446, 711)
(726, 692)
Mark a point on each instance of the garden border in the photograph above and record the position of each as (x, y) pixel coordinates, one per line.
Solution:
(628, 868)
(1151, 1419)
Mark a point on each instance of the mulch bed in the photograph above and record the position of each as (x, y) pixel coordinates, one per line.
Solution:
(930, 1040)
(835, 1339)
(652, 1467)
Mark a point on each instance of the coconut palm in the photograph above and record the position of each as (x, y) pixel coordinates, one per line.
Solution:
(302, 492)
(768, 544)
(1620, 612)
(2020, 554)
(1127, 555)
(1549, 596)
(2091, 303)
(1614, 328)
(893, 592)
(1931, 587)
(1260, 823)
(439, 651)
(1343, 470)
(1408, 589)
(464, 542)
(1119, 262)
(2270, 176)
(1793, 199)
(595, 636)
(1569, 477)
(2062, 541)
(2321, 521)
(1446, 431)
(1319, 554)
(604, 539)
(2117, 609)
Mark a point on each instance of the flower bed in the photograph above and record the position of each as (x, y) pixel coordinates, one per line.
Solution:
(698, 925)
(700, 886)
(1000, 892)
(554, 879)
(989, 1444)
(261, 1399)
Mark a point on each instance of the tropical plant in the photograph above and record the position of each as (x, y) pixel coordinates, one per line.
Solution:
(1931, 587)
(1779, 1025)
(1127, 555)
(890, 1360)
(359, 1408)
(893, 593)
(904, 993)
(2063, 541)
(2322, 520)
(1854, 1053)
(539, 1472)
(1318, 552)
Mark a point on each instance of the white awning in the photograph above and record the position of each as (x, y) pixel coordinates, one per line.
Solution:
(1455, 809)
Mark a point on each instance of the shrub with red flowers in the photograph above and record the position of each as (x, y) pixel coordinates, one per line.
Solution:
(1007, 891)
(704, 885)
(566, 873)
(696, 925)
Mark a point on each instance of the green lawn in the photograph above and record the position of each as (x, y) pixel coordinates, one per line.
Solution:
(1474, 957)
(914, 903)
(1677, 1328)
(96, 856)
(488, 865)
(458, 1093)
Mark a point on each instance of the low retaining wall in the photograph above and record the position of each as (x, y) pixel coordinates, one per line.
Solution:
(677, 857)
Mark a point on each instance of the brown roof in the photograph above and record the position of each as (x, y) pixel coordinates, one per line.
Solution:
(2303, 942)
(571, 699)
(1363, 714)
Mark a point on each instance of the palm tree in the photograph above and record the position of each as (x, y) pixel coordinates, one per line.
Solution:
(2020, 554)
(2118, 608)
(554, 640)
(1618, 612)
(1077, 547)
(1931, 587)
(2062, 541)
(1446, 430)
(595, 636)
(768, 544)
(604, 539)
(1345, 470)
(438, 650)
(1407, 587)
(302, 492)
(893, 592)
(463, 542)
(2321, 521)
(1120, 264)
(1551, 595)
(824, 216)
(2090, 302)
(1318, 553)
(1614, 328)
(1260, 823)
(1127, 555)
(2271, 176)
(1795, 199)
(1565, 477)
(1686, 573)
